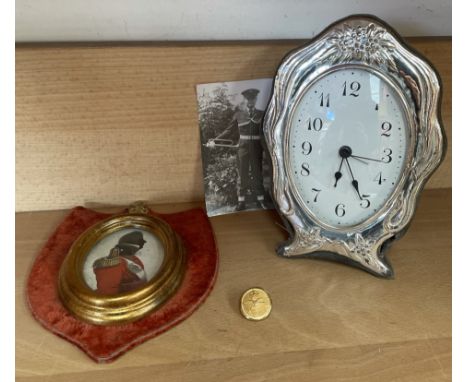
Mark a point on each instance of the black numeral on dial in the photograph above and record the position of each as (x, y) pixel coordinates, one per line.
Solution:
(386, 127)
(317, 194)
(340, 210)
(379, 178)
(325, 100)
(306, 147)
(316, 124)
(387, 158)
(305, 170)
(365, 203)
(354, 88)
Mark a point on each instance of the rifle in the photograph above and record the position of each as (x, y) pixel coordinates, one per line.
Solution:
(219, 142)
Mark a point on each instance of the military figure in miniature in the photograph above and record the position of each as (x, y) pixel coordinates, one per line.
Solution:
(121, 271)
(247, 124)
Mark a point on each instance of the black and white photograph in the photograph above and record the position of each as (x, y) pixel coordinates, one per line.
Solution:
(235, 168)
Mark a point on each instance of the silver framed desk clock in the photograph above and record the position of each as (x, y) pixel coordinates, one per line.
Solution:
(353, 130)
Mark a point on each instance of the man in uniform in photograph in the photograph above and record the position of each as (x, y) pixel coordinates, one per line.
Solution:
(247, 124)
(121, 271)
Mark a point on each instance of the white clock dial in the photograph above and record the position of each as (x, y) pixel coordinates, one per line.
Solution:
(347, 146)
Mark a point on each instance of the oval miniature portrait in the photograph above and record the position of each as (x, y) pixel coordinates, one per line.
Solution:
(123, 261)
(121, 268)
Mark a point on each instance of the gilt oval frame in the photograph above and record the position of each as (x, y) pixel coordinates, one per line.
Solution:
(120, 308)
(365, 41)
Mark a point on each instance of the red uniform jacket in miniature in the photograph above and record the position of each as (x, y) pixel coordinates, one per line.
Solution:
(118, 274)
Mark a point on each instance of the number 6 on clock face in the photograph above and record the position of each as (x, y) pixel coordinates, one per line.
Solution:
(353, 132)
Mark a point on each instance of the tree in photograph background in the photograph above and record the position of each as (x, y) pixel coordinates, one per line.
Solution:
(220, 163)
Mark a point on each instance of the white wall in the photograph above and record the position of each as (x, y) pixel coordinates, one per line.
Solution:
(161, 20)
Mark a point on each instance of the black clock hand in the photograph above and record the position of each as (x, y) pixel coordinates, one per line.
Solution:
(354, 181)
(338, 174)
(359, 157)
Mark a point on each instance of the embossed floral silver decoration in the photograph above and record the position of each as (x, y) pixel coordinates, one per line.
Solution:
(361, 248)
(368, 44)
(304, 240)
(362, 251)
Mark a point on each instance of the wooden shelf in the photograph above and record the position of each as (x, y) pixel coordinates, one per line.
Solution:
(329, 322)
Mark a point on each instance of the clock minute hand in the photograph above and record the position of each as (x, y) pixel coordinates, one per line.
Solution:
(354, 182)
(372, 159)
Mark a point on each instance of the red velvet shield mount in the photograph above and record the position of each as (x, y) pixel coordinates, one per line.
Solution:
(106, 343)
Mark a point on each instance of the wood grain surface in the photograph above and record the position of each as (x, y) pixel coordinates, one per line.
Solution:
(113, 124)
(329, 322)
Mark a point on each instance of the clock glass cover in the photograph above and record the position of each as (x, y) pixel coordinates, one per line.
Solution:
(347, 146)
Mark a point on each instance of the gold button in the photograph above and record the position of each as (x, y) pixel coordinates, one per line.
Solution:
(255, 304)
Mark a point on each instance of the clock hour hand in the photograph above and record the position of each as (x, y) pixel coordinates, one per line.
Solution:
(354, 182)
(338, 174)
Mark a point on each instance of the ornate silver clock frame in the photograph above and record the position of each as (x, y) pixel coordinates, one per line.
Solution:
(369, 43)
